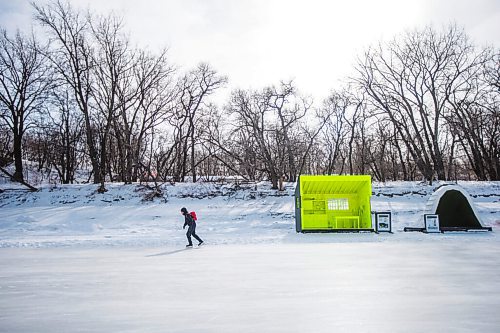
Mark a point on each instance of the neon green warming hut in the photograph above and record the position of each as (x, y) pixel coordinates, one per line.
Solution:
(333, 203)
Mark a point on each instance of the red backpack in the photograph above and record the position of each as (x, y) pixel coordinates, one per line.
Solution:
(193, 215)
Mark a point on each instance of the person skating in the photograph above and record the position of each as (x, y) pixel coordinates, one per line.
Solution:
(190, 222)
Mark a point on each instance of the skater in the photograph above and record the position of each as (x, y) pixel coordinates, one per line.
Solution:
(189, 221)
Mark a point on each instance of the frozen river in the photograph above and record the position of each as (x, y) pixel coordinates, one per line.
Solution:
(405, 286)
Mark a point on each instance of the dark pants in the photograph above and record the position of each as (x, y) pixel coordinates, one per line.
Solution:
(192, 232)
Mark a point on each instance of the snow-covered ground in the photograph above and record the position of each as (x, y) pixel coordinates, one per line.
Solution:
(72, 260)
(75, 215)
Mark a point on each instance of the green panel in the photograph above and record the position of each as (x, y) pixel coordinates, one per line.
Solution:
(314, 220)
(314, 213)
(335, 202)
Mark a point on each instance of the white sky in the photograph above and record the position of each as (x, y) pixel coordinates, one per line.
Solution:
(260, 42)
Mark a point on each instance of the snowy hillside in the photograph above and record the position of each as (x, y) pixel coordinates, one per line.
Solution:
(66, 215)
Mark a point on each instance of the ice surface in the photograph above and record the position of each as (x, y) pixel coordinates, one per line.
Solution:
(413, 286)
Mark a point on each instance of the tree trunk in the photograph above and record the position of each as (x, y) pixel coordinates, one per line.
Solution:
(193, 160)
(18, 158)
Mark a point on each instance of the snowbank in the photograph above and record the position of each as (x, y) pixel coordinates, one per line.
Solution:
(70, 215)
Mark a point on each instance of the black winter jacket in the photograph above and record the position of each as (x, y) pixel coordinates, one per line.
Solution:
(188, 220)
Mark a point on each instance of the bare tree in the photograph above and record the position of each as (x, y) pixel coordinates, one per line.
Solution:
(474, 118)
(252, 112)
(71, 55)
(492, 71)
(410, 80)
(290, 110)
(24, 83)
(147, 100)
(333, 114)
(357, 139)
(66, 136)
(272, 132)
(194, 87)
(111, 61)
(379, 150)
(231, 145)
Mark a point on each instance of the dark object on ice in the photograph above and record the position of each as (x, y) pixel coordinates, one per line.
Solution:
(455, 209)
(420, 229)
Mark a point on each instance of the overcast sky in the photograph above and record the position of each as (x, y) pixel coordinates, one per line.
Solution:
(260, 42)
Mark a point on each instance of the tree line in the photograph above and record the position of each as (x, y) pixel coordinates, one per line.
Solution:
(423, 106)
